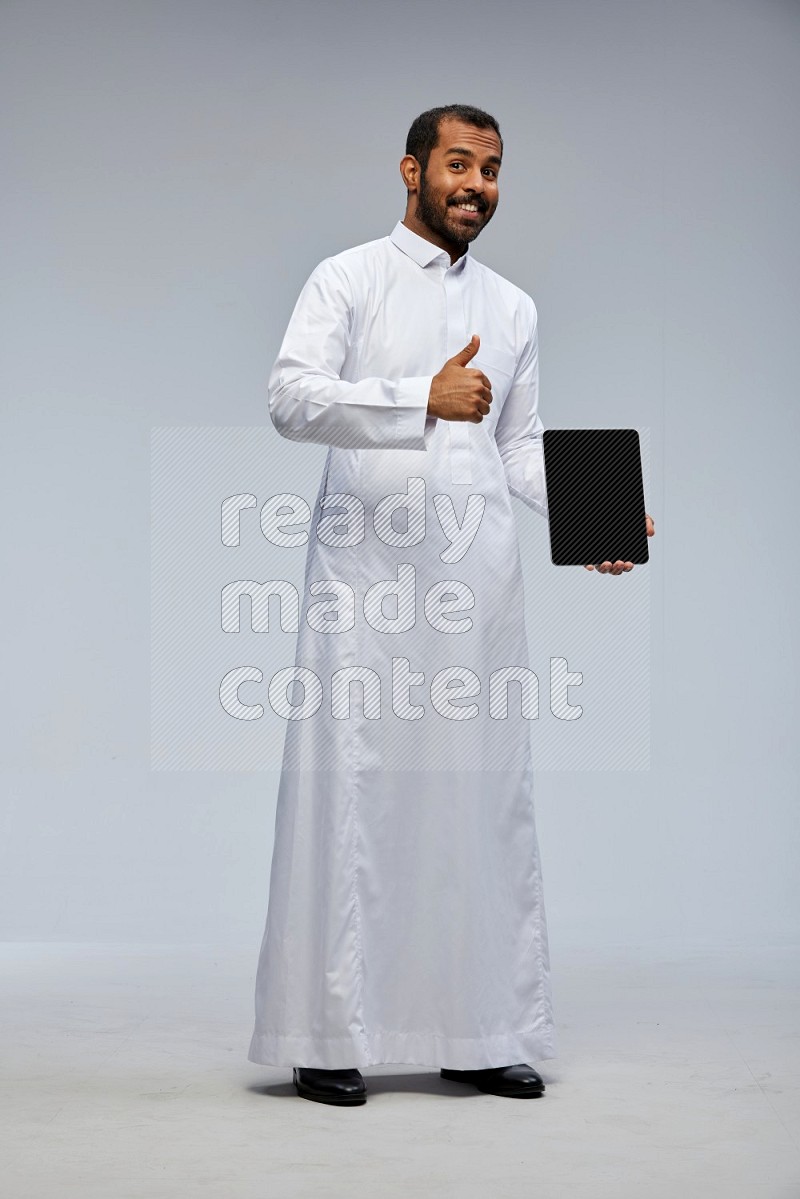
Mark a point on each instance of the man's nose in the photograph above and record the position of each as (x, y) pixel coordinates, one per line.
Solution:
(474, 181)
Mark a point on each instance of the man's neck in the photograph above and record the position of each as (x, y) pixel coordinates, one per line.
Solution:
(455, 249)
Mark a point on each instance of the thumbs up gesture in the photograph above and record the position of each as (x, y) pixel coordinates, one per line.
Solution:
(460, 392)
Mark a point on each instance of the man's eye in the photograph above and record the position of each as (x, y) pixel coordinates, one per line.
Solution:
(460, 164)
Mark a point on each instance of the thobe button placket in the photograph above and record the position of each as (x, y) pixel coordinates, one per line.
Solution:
(458, 335)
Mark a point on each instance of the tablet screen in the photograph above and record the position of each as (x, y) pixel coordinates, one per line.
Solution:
(595, 496)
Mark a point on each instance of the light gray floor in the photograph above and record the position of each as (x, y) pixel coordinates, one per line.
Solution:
(125, 1075)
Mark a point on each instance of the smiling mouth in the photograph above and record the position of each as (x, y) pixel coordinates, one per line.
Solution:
(468, 212)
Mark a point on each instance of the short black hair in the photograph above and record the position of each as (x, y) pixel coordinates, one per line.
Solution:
(424, 132)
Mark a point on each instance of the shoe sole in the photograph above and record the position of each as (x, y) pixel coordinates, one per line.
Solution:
(528, 1093)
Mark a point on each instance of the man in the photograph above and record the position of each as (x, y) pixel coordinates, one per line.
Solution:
(406, 921)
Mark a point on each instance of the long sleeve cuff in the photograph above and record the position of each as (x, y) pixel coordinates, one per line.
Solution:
(523, 462)
(415, 427)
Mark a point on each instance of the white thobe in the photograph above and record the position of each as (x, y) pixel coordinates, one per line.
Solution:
(406, 922)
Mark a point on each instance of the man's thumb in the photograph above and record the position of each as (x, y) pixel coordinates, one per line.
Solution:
(469, 351)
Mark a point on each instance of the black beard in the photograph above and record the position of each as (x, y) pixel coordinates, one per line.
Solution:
(430, 214)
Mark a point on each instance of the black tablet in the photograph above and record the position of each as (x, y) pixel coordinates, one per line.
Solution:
(595, 496)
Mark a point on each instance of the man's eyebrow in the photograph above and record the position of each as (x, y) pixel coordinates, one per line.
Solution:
(469, 154)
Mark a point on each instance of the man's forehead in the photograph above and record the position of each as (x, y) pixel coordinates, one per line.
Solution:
(454, 135)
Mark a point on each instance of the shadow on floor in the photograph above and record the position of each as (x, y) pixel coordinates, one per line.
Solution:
(424, 1083)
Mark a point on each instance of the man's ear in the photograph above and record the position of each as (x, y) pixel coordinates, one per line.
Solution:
(410, 171)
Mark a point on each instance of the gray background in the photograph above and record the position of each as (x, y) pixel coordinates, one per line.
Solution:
(178, 170)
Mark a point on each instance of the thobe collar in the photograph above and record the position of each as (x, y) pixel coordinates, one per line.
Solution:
(423, 251)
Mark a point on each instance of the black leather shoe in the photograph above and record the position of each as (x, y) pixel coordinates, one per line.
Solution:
(343, 1087)
(516, 1082)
